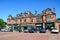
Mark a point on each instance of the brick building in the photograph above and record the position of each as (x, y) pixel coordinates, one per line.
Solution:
(45, 19)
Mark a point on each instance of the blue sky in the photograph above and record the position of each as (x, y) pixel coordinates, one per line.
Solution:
(14, 7)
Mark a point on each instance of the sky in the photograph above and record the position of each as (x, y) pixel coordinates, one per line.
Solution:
(14, 7)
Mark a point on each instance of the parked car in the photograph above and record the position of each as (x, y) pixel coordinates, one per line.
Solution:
(5, 30)
(42, 30)
(55, 30)
(11, 30)
(31, 30)
(35, 29)
(26, 31)
(51, 28)
(2, 30)
(20, 30)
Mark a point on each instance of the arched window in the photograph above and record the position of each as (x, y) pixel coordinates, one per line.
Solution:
(38, 19)
(48, 18)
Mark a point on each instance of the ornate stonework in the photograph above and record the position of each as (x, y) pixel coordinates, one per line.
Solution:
(46, 16)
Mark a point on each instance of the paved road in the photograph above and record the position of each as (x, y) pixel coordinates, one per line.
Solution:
(54, 37)
(28, 36)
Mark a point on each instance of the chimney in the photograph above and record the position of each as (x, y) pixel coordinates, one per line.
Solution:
(54, 10)
(28, 11)
(35, 12)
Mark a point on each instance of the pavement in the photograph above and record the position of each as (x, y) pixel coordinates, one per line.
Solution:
(54, 37)
(28, 36)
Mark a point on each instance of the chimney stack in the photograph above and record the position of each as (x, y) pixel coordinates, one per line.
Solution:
(28, 11)
(54, 10)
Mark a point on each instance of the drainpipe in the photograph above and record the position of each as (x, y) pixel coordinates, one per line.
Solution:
(43, 25)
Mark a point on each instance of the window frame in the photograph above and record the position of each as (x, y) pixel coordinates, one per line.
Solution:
(48, 17)
(38, 20)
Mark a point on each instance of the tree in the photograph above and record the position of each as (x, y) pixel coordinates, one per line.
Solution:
(58, 18)
(2, 23)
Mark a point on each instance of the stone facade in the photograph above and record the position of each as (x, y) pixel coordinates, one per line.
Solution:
(29, 18)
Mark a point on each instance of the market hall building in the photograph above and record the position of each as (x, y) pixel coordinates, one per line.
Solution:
(45, 19)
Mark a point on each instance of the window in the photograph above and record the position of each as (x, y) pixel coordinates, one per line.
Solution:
(38, 19)
(24, 20)
(48, 18)
(16, 21)
(8, 21)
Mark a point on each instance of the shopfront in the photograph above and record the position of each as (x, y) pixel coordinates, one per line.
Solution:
(15, 27)
(27, 27)
(39, 26)
(49, 25)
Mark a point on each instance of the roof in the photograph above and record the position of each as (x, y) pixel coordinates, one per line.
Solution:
(53, 13)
